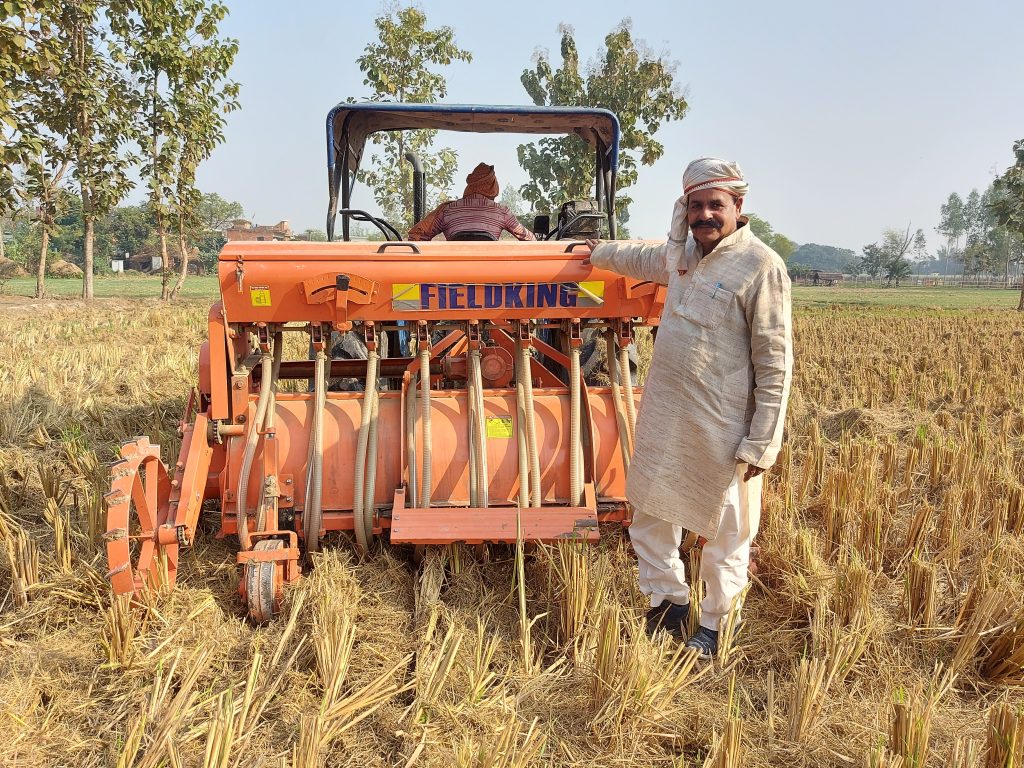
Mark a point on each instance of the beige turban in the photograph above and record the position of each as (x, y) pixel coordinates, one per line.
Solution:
(482, 181)
(703, 173)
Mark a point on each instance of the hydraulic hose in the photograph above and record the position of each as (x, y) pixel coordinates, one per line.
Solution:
(271, 417)
(575, 468)
(474, 489)
(371, 470)
(627, 393)
(526, 380)
(620, 411)
(252, 438)
(358, 487)
(524, 461)
(425, 478)
(315, 471)
(410, 437)
(479, 444)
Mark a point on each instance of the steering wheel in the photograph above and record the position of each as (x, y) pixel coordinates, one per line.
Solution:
(557, 231)
(359, 215)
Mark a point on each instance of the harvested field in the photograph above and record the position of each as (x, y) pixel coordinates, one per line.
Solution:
(885, 627)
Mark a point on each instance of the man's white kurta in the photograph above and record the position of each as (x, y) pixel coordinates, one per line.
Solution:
(719, 380)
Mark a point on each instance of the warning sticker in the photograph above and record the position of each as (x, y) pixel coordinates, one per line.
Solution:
(260, 295)
(499, 427)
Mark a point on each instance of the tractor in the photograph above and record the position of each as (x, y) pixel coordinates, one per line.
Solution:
(466, 417)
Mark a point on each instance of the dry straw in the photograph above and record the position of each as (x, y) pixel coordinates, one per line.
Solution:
(897, 500)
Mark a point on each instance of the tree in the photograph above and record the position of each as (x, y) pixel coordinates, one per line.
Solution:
(952, 225)
(32, 119)
(400, 67)
(1008, 206)
(100, 105)
(201, 97)
(179, 64)
(873, 261)
(130, 229)
(890, 258)
(313, 236)
(29, 53)
(626, 78)
(216, 214)
(896, 270)
(777, 241)
(827, 258)
(42, 188)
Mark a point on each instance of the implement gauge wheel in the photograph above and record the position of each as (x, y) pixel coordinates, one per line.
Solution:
(142, 549)
(264, 583)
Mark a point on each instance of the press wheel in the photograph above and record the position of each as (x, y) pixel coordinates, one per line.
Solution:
(142, 549)
(264, 583)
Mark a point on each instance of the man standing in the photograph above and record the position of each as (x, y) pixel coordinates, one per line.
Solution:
(714, 403)
(475, 212)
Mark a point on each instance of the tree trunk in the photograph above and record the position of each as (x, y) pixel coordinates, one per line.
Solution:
(2, 252)
(90, 227)
(183, 272)
(1020, 304)
(41, 269)
(165, 277)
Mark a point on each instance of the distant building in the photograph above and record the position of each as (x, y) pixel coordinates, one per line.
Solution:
(245, 230)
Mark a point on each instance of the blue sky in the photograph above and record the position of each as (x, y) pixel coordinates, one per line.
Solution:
(847, 118)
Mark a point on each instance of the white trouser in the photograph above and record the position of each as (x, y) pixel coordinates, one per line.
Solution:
(724, 562)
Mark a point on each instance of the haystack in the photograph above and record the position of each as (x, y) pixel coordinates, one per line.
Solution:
(9, 269)
(61, 268)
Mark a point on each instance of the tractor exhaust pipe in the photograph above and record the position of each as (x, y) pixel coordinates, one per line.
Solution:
(419, 187)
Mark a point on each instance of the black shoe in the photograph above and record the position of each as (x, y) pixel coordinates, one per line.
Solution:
(669, 617)
(705, 641)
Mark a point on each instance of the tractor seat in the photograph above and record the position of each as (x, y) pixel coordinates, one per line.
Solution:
(471, 234)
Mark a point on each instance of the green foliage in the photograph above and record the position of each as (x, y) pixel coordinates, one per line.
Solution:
(626, 78)
(180, 66)
(130, 228)
(216, 213)
(401, 67)
(826, 258)
(890, 259)
(314, 236)
(99, 102)
(952, 224)
(777, 241)
(1008, 204)
(29, 55)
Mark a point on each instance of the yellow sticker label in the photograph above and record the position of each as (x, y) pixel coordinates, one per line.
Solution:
(593, 290)
(260, 295)
(499, 427)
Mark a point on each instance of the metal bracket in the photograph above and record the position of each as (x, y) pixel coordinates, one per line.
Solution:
(316, 337)
(263, 335)
(473, 335)
(624, 332)
(422, 334)
(369, 336)
(523, 334)
(574, 334)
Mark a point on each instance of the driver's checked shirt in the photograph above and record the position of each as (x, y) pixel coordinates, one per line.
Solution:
(475, 213)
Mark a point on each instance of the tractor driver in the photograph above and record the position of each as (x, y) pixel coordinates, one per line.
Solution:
(475, 212)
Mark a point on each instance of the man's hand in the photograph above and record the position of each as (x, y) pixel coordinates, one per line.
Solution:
(752, 472)
(591, 244)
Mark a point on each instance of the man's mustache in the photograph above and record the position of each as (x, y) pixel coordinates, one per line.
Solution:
(708, 223)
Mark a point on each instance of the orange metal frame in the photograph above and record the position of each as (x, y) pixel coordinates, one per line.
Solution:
(323, 287)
